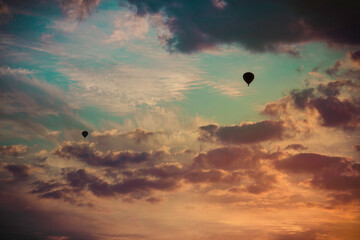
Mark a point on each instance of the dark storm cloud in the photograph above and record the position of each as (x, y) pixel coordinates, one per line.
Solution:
(201, 171)
(258, 26)
(342, 185)
(325, 99)
(77, 181)
(347, 68)
(337, 175)
(357, 147)
(355, 56)
(153, 200)
(86, 153)
(60, 191)
(331, 180)
(204, 176)
(308, 235)
(207, 133)
(65, 194)
(335, 112)
(78, 9)
(295, 147)
(333, 89)
(223, 166)
(334, 69)
(249, 133)
(228, 159)
(310, 163)
(42, 187)
(19, 171)
(301, 97)
(235, 164)
(139, 186)
(163, 171)
(263, 182)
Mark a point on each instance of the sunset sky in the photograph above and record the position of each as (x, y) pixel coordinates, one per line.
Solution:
(179, 147)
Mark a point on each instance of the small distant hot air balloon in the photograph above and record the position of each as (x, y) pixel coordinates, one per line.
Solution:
(248, 77)
(84, 133)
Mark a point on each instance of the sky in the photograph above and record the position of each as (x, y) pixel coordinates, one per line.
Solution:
(179, 147)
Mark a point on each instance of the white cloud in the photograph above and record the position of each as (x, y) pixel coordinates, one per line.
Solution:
(220, 4)
(122, 87)
(6, 70)
(128, 27)
(228, 88)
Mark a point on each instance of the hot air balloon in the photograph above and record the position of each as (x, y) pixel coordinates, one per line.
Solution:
(248, 77)
(84, 133)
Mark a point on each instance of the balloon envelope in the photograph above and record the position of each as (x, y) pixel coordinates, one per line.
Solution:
(248, 77)
(84, 133)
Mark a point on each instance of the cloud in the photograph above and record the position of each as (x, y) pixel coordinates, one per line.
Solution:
(355, 56)
(334, 69)
(204, 176)
(335, 112)
(346, 68)
(4, 9)
(5, 13)
(19, 171)
(153, 200)
(262, 182)
(138, 135)
(13, 150)
(332, 104)
(42, 186)
(296, 235)
(239, 168)
(333, 89)
(128, 27)
(357, 147)
(122, 88)
(301, 97)
(204, 24)
(78, 9)
(6, 70)
(246, 133)
(337, 175)
(79, 180)
(338, 181)
(26, 100)
(138, 176)
(25, 94)
(221, 4)
(295, 147)
(229, 159)
(85, 152)
(310, 163)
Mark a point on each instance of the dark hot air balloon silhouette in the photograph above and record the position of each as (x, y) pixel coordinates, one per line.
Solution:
(84, 133)
(248, 77)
